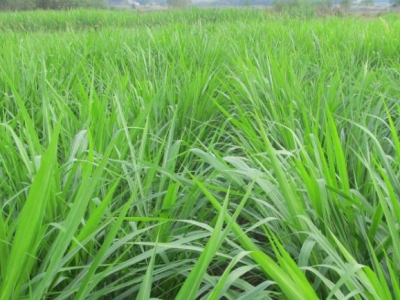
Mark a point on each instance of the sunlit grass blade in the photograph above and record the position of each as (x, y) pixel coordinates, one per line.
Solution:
(95, 218)
(145, 287)
(284, 281)
(30, 221)
(90, 179)
(223, 282)
(187, 138)
(192, 283)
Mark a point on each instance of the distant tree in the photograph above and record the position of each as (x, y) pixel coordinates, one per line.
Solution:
(62, 4)
(179, 3)
(367, 2)
(3, 4)
(48, 4)
(92, 3)
(17, 4)
(143, 2)
(286, 6)
(345, 3)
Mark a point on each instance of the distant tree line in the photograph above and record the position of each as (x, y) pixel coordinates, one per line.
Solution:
(171, 3)
(48, 4)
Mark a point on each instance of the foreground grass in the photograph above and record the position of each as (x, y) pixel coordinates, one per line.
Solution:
(199, 154)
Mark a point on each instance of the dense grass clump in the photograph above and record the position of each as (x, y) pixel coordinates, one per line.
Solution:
(199, 154)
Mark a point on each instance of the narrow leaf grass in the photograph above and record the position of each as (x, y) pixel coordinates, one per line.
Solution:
(199, 154)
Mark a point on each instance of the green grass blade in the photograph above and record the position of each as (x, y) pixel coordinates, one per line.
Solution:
(30, 221)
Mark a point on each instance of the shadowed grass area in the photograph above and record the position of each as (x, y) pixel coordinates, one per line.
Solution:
(199, 154)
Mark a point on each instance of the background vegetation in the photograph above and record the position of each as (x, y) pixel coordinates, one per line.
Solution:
(49, 4)
(199, 154)
(295, 5)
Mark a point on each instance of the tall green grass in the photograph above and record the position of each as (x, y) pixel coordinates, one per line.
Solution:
(199, 154)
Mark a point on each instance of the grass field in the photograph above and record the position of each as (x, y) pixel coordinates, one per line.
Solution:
(199, 154)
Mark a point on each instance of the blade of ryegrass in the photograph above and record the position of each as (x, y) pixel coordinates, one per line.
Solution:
(395, 133)
(350, 272)
(191, 285)
(34, 143)
(22, 151)
(295, 206)
(86, 286)
(167, 210)
(4, 246)
(380, 153)
(391, 208)
(339, 154)
(132, 150)
(380, 275)
(294, 290)
(94, 220)
(368, 278)
(284, 259)
(256, 291)
(88, 185)
(221, 285)
(216, 241)
(145, 287)
(29, 223)
(394, 276)
(219, 165)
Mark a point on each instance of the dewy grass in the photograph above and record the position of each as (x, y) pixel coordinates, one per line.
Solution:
(199, 154)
